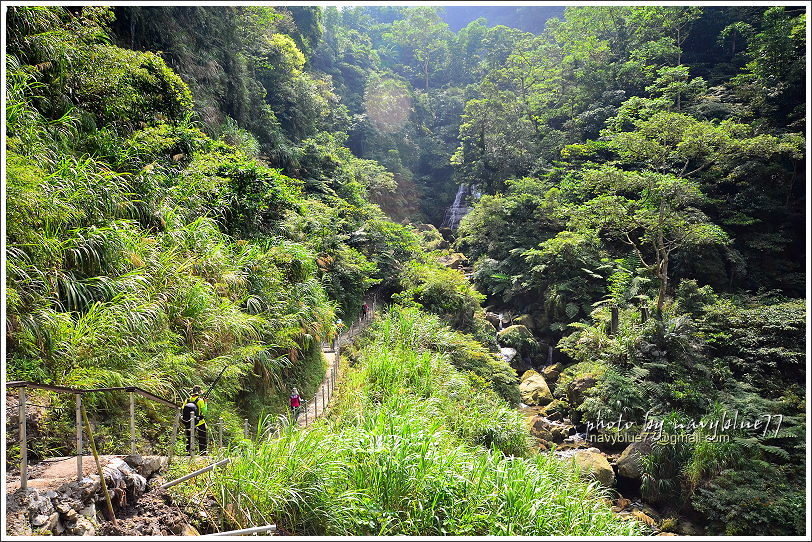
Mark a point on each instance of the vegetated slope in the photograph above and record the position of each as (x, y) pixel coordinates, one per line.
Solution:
(413, 446)
(142, 251)
(652, 157)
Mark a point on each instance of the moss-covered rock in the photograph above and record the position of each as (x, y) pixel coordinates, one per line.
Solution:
(556, 410)
(575, 380)
(595, 464)
(520, 338)
(551, 372)
(630, 462)
(527, 374)
(525, 320)
(534, 391)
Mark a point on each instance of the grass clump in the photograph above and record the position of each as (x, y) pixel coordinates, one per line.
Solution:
(414, 447)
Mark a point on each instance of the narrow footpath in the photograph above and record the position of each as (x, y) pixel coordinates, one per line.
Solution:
(315, 407)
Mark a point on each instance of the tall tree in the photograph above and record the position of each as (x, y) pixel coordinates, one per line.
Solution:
(424, 36)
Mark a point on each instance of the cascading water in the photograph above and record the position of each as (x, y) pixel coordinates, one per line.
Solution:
(460, 207)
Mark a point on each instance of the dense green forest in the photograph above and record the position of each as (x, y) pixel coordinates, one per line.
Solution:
(194, 188)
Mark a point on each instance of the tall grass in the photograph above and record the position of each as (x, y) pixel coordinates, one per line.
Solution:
(413, 447)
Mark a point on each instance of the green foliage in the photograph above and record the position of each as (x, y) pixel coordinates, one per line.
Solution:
(399, 458)
(141, 251)
(443, 291)
(424, 331)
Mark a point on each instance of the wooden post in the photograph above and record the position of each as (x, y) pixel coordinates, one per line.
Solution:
(615, 318)
(174, 441)
(220, 433)
(132, 423)
(323, 405)
(23, 443)
(245, 428)
(98, 466)
(305, 409)
(79, 470)
(643, 314)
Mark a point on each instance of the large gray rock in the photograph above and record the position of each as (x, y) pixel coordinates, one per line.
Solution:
(82, 527)
(595, 464)
(548, 430)
(630, 462)
(89, 511)
(493, 318)
(534, 391)
(577, 388)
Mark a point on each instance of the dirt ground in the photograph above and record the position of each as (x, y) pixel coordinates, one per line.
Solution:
(54, 472)
(153, 514)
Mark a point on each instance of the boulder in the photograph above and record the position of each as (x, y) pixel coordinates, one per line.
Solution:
(551, 373)
(455, 260)
(550, 431)
(493, 318)
(577, 388)
(534, 391)
(595, 464)
(527, 374)
(524, 320)
(556, 410)
(630, 464)
(540, 428)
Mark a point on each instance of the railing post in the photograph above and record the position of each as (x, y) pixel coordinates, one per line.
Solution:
(79, 470)
(615, 318)
(245, 428)
(23, 443)
(323, 405)
(220, 433)
(305, 409)
(132, 423)
(174, 441)
(192, 437)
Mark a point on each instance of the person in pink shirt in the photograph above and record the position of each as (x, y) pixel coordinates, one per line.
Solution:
(295, 402)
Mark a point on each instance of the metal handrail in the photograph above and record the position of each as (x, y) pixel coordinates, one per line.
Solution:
(23, 385)
(64, 389)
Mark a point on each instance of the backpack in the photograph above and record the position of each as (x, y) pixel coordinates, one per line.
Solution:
(190, 409)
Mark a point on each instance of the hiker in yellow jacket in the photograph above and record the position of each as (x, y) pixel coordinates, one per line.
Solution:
(196, 407)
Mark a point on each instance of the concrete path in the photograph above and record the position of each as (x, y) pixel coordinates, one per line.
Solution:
(316, 406)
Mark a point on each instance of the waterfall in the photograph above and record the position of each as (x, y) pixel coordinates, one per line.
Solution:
(459, 208)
